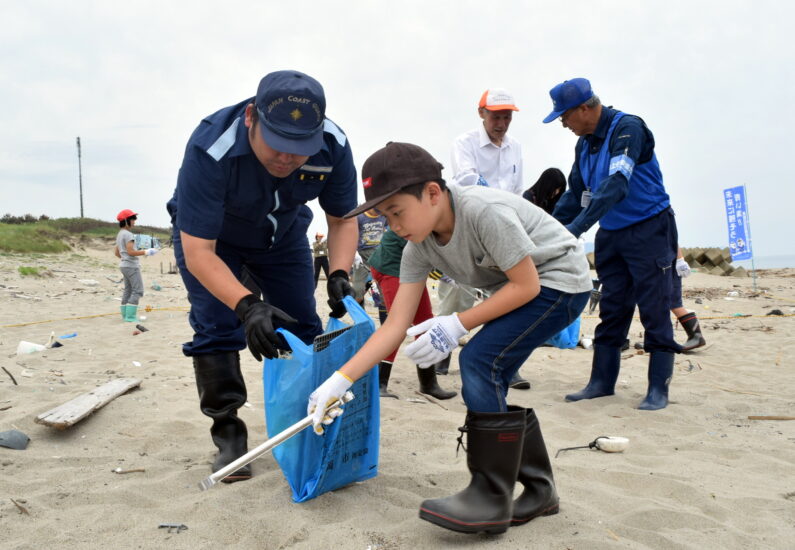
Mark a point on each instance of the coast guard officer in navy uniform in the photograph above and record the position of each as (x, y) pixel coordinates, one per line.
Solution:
(616, 180)
(240, 200)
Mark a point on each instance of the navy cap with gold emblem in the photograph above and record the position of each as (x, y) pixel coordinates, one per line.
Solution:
(292, 108)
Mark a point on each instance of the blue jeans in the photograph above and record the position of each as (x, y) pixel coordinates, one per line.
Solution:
(492, 357)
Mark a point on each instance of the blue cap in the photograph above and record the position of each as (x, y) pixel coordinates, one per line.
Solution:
(292, 108)
(567, 95)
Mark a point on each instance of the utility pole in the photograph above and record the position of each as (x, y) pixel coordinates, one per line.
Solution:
(80, 174)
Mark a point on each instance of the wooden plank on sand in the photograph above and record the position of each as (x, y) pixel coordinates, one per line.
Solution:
(72, 412)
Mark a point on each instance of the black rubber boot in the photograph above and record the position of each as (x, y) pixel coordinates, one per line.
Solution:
(695, 339)
(518, 383)
(494, 446)
(443, 366)
(661, 369)
(384, 370)
(540, 498)
(430, 386)
(604, 373)
(221, 392)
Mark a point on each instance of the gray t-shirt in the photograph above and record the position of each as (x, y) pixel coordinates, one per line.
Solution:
(122, 239)
(494, 230)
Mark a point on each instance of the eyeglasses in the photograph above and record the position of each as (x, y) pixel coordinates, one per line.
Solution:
(565, 115)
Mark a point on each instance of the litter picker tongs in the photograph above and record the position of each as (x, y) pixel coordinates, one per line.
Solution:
(278, 439)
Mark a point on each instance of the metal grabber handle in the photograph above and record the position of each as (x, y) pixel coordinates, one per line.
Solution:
(278, 439)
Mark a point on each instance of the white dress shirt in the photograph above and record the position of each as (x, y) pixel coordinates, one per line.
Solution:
(501, 167)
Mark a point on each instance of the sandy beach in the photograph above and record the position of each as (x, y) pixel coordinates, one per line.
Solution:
(698, 474)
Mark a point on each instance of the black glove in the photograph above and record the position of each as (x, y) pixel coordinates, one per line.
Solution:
(257, 317)
(338, 286)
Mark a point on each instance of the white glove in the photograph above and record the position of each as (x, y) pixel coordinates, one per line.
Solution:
(440, 339)
(682, 269)
(357, 261)
(151, 251)
(327, 393)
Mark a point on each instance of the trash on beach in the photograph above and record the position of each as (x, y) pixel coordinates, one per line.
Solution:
(130, 471)
(605, 443)
(775, 312)
(70, 335)
(52, 342)
(25, 347)
(89, 282)
(156, 286)
(586, 343)
(172, 526)
(14, 439)
(142, 328)
(22, 509)
(733, 294)
(136, 364)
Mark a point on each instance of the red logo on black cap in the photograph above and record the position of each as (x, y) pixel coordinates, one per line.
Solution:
(367, 182)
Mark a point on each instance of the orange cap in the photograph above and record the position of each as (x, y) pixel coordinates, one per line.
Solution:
(497, 99)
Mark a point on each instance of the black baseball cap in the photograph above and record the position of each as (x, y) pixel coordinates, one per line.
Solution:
(393, 167)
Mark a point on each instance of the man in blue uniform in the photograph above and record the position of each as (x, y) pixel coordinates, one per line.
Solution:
(240, 201)
(616, 181)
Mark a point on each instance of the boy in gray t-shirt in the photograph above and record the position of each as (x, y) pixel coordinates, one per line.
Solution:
(539, 279)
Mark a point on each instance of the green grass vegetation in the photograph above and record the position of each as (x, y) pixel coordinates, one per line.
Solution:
(29, 235)
(27, 271)
(32, 238)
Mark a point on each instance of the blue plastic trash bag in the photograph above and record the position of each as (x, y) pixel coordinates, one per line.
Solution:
(348, 451)
(567, 338)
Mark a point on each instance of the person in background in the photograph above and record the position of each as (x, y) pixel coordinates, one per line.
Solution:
(488, 156)
(320, 255)
(385, 268)
(240, 200)
(686, 318)
(616, 180)
(546, 192)
(371, 228)
(130, 265)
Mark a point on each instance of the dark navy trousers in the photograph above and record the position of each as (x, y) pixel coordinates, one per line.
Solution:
(635, 266)
(283, 272)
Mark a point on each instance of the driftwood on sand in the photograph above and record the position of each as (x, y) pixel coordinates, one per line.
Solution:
(72, 412)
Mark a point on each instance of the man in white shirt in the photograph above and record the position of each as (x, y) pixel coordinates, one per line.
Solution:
(487, 156)
(488, 150)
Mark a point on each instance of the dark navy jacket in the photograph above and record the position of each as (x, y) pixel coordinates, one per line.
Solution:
(224, 193)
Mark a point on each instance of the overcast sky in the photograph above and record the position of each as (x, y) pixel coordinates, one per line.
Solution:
(713, 80)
